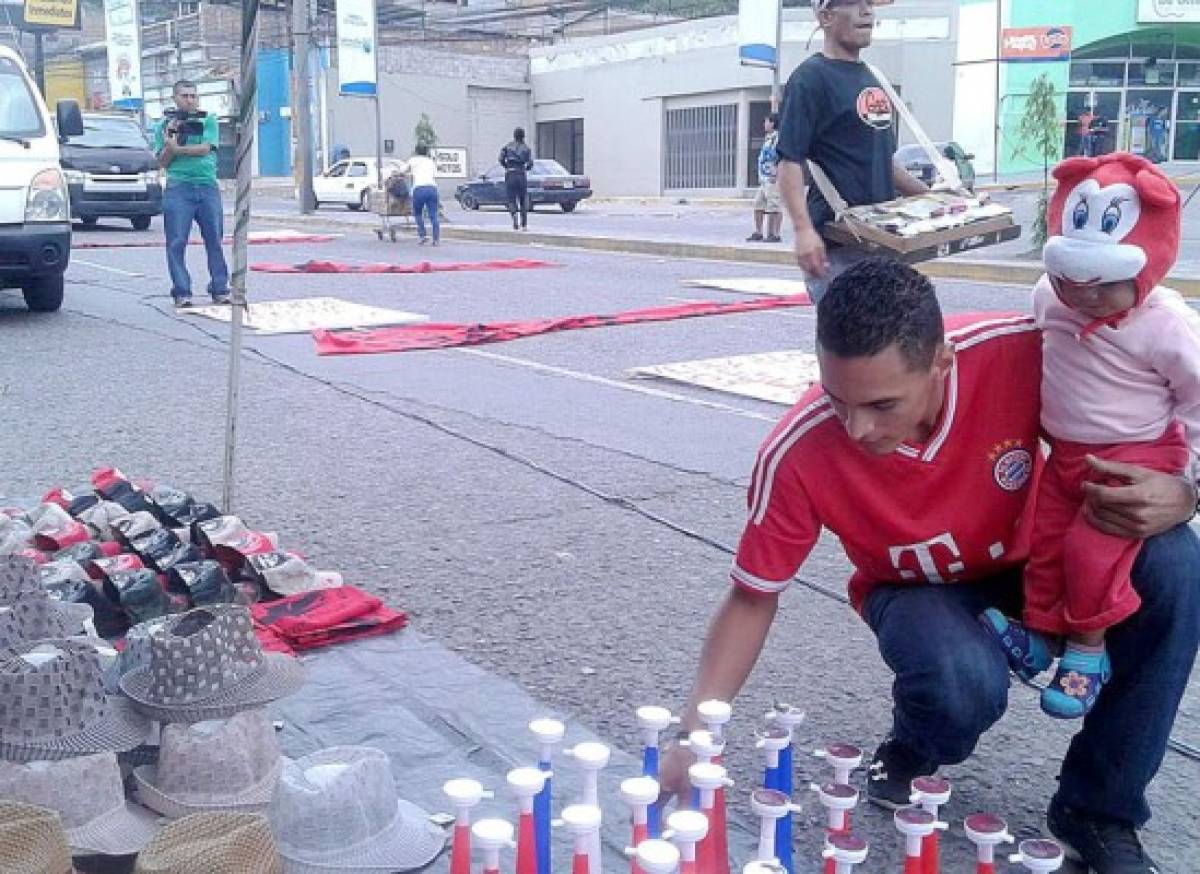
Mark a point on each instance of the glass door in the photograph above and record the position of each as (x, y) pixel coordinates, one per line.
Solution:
(1187, 126)
(1093, 121)
(1148, 113)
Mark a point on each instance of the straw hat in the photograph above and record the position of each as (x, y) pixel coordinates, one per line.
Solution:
(337, 810)
(32, 840)
(208, 664)
(212, 843)
(55, 705)
(229, 764)
(93, 809)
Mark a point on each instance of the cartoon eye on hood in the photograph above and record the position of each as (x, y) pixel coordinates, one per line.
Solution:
(1095, 221)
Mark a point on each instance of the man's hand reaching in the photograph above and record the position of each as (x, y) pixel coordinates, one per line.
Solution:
(1136, 502)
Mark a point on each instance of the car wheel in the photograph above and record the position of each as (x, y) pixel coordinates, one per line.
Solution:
(89, 221)
(140, 223)
(469, 202)
(44, 294)
(364, 201)
(569, 205)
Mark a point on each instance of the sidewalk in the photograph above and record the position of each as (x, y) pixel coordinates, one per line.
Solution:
(714, 232)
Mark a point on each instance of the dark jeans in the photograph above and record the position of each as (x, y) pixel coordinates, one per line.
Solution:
(516, 188)
(952, 679)
(183, 203)
(425, 201)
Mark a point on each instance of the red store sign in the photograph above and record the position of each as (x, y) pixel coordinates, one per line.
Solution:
(1035, 44)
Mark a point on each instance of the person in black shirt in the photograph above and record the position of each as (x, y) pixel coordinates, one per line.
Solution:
(517, 160)
(836, 115)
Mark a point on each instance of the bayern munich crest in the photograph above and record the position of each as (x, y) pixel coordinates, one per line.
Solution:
(1013, 469)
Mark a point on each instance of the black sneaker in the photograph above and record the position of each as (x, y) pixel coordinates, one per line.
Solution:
(221, 299)
(891, 772)
(756, 237)
(183, 303)
(1106, 846)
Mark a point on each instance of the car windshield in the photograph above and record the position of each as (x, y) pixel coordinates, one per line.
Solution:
(911, 153)
(19, 116)
(549, 168)
(100, 132)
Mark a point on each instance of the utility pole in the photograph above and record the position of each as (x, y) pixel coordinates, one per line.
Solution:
(302, 104)
(39, 61)
(777, 71)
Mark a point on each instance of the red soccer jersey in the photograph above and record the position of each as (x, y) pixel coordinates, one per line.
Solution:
(957, 508)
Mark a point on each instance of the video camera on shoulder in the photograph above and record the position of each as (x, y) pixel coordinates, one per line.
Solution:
(189, 125)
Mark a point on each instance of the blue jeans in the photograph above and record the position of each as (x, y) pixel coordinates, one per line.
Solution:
(952, 679)
(183, 203)
(841, 259)
(425, 200)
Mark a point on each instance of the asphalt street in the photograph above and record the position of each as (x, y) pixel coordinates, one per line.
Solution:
(530, 505)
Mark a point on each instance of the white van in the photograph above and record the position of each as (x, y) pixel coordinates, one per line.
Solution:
(35, 210)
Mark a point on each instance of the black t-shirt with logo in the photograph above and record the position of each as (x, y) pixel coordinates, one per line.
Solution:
(836, 115)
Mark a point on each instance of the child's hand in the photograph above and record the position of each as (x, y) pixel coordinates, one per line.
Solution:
(1140, 503)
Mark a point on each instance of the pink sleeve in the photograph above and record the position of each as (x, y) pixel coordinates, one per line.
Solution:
(778, 537)
(1176, 356)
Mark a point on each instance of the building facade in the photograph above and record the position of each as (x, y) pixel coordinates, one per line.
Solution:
(670, 110)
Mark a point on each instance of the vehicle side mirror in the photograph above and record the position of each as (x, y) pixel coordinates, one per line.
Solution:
(70, 119)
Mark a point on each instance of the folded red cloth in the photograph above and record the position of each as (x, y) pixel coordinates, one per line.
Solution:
(316, 266)
(315, 619)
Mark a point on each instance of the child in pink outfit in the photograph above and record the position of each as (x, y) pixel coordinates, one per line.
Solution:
(1120, 384)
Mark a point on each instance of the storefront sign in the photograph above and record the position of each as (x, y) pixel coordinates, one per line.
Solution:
(1035, 44)
(758, 26)
(451, 163)
(52, 13)
(1169, 11)
(124, 53)
(356, 48)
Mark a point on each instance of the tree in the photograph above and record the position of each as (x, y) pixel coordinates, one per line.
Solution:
(1040, 137)
(424, 134)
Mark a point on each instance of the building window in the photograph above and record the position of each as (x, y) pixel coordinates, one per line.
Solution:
(562, 141)
(701, 147)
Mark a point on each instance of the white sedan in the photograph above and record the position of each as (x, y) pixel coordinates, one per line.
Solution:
(350, 182)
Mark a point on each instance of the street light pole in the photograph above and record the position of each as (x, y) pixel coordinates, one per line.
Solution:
(302, 117)
(777, 71)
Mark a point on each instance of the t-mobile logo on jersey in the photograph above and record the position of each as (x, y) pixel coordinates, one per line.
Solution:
(937, 559)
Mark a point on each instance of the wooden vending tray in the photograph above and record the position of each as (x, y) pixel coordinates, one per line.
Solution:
(850, 231)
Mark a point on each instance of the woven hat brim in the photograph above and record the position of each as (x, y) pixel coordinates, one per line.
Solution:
(409, 841)
(120, 832)
(252, 799)
(122, 728)
(282, 675)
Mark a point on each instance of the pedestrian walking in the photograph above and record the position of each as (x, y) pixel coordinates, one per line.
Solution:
(423, 173)
(517, 160)
(766, 201)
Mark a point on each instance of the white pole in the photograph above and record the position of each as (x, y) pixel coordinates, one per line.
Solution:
(247, 123)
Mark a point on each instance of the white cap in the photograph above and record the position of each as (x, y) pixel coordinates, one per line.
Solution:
(689, 826)
(836, 796)
(845, 848)
(527, 782)
(1039, 856)
(714, 712)
(658, 857)
(465, 792)
(761, 867)
(638, 791)
(548, 731)
(841, 755)
(581, 818)
(786, 715)
(930, 790)
(704, 745)
(984, 828)
(705, 775)
(493, 834)
(590, 754)
(655, 718)
(775, 739)
(915, 822)
(772, 803)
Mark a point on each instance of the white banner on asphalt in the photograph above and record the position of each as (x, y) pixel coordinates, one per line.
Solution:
(758, 29)
(356, 48)
(307, 314)
(775, 377)
(124, 53)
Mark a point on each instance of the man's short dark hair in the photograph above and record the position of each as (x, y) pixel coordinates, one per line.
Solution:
(876, 303)
(519, 134)
(181, 84)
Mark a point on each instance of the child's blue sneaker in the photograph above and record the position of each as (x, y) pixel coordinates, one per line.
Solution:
(1027, 652)
(1077, 683)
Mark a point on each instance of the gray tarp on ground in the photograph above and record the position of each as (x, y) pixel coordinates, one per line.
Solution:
(440, 717)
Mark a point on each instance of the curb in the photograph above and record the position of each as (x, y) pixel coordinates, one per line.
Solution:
(1008, 272)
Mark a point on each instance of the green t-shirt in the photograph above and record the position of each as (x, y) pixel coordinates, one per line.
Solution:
(199, 171)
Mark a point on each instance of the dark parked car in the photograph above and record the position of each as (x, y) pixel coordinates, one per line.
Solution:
(916, 162)
(549, 182)
(111, 171)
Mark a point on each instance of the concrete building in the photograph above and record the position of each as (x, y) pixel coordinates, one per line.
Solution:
(669, 110)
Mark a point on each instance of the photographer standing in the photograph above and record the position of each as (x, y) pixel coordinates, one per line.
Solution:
(186, 143)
